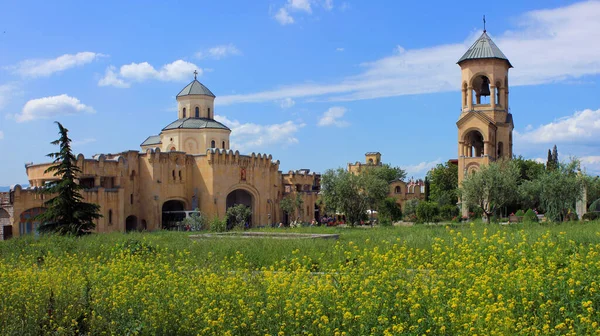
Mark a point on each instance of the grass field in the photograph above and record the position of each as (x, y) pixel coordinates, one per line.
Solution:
(466, 279)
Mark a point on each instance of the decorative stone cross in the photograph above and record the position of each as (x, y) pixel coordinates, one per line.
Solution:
(195, 74)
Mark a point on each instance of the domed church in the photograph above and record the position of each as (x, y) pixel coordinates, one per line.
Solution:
(189, 165)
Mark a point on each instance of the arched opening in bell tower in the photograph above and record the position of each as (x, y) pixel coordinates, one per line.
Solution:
(481, 90)
(474, 146)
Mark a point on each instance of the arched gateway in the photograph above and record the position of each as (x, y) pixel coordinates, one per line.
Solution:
(240, 196)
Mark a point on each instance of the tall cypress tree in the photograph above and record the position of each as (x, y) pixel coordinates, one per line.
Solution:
(66, 213)
(555, 156)
(549, 161)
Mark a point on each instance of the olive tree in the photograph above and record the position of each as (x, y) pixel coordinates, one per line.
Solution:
(491, 187)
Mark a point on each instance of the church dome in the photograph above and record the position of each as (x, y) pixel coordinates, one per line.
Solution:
(195, 88)
(195, 123)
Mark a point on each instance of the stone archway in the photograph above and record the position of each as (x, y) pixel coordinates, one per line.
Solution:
(240, 196)
(172, 214)
(474, 142)
(131, 223)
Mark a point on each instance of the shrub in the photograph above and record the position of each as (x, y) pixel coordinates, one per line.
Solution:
(591, 216)
(410, 208)
(195, 222)
(571, 217)
(385, 222)
(218, 225)
(520, 213)
(447, 212)
(530, 216)
(427, 211)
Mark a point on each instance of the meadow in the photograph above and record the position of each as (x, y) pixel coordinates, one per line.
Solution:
(473, 279)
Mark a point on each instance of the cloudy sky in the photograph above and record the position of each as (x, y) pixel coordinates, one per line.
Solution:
(315, 83)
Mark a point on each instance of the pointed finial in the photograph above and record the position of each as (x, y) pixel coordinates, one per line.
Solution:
(195, 74)
(484, 24)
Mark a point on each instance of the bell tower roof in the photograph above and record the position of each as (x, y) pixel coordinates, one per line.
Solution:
(195, 88)
(484, 48)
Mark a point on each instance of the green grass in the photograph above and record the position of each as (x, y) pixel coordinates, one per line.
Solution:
(260, 252)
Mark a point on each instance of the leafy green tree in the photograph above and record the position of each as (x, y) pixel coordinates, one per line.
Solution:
(443, 181)
(529, 170)
(387, 172)
(560, 189)
(389, 210)
(287, 205)
(353, 194)
(66, 213)
(410, 208)
(238, 215)
(427, 212)
(491, 187)
(427, 188)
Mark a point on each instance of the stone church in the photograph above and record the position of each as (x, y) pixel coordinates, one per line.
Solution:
(189, 165)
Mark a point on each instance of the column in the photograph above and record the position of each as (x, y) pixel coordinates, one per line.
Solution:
(486, 148)
(493, 96)
(470, 97)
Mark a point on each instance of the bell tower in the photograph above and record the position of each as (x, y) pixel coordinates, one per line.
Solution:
(485, 124)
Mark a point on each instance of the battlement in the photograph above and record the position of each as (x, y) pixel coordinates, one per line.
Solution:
(218, 156)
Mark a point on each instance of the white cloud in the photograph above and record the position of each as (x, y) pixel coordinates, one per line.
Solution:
(46, 67)
(82, 142)
(50, 107)
(333, 117)
(250, 136)
(283, 17)
(1, 135)
(6, 92)
(300, 5)
(581, 127)
(139, 72)
(220, 51)
(591, 164)
(111, 79)
(286, 103)
(421, 168)
(339, 49)
(559, 38)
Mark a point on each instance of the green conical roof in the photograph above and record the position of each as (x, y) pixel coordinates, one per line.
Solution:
(195, 88)
(483, 48)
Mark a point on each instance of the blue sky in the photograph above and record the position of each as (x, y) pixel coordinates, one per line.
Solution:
(315, 83)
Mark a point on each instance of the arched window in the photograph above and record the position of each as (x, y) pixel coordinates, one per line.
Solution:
(110, 217)
(223, 144)
(209, 112)
(184, 112)
(173, 173)
(398, 190)
(180, 175)
(172, 149)
(500, 150)
(197, 112)
(213, 144)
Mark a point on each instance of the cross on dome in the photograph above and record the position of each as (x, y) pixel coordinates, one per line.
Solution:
(195, 74)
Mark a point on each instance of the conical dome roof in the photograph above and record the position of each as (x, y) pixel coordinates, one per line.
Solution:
(483, 48)
(195, 88)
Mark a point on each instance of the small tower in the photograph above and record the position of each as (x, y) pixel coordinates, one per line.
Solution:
(373, 158)
(485, 124)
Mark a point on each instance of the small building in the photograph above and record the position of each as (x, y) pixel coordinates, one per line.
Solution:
(401, 190)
